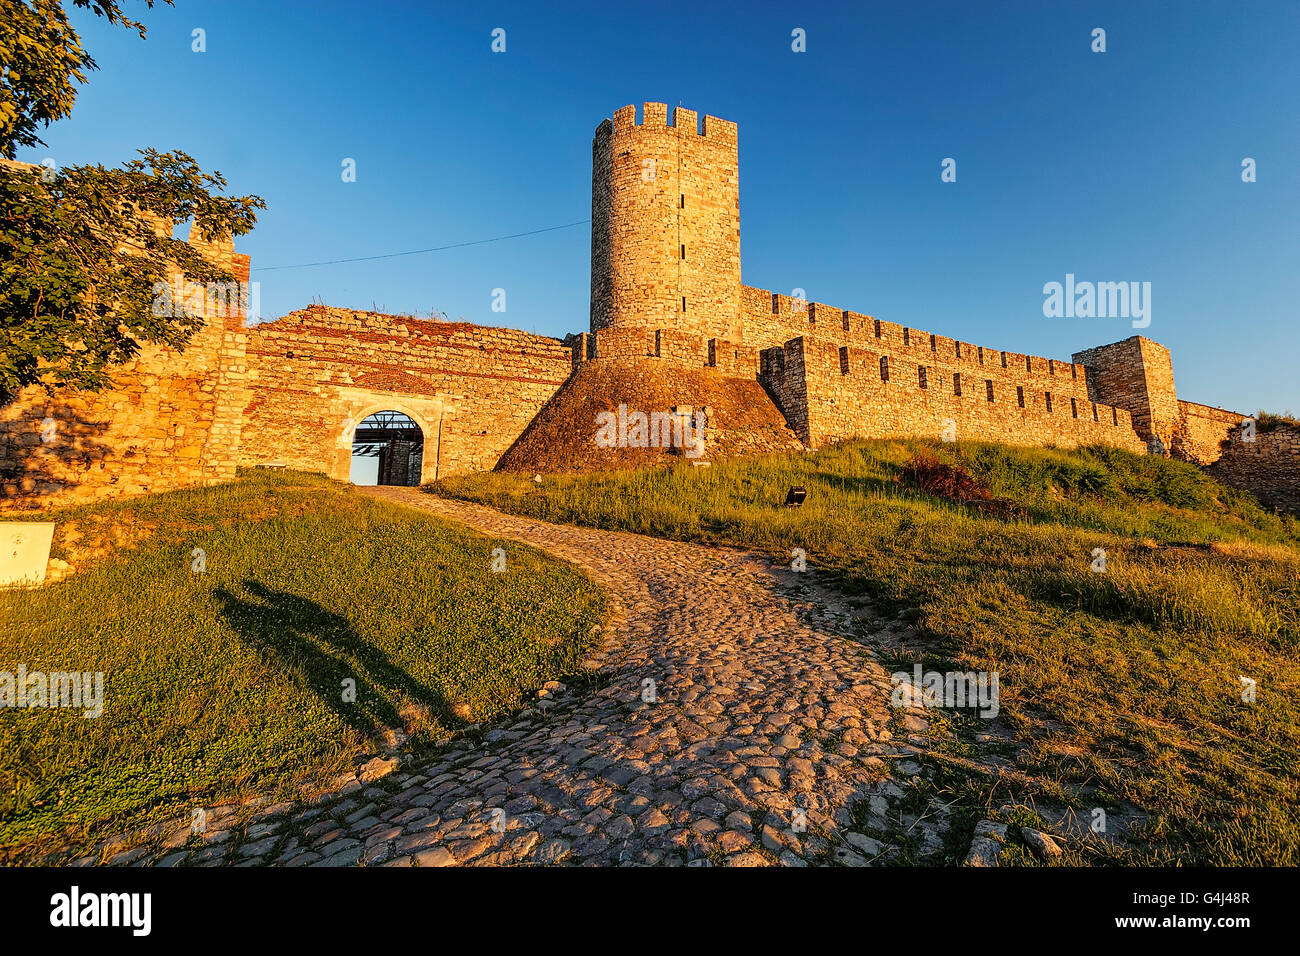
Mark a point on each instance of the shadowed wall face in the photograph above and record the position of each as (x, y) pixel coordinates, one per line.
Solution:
(172, 419)
(1267, 464)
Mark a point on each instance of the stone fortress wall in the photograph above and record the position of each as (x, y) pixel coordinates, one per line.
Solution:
(665, 289)
(666, 286)
(1201, 431)
(1268, 467)
(172, 419)
(665, 231)
(314, 374)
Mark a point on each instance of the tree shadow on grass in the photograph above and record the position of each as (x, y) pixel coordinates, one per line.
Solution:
(322, 649)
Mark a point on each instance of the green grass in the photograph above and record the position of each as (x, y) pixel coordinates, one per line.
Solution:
(1268, 421)
(230, 682)
(1122, 686)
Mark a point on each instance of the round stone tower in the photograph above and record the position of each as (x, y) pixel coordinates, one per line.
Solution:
(665, 234)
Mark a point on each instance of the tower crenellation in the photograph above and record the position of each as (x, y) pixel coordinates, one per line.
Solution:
(665, 232)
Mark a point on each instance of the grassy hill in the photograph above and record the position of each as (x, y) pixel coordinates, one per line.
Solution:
(230, 682)
(1123, 688)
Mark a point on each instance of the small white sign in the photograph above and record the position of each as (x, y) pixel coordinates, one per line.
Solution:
(24, 552)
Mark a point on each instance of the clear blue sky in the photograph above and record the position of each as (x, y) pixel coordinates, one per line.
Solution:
(1117, 166)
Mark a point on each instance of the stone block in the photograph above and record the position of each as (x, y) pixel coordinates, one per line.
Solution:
(24, 552)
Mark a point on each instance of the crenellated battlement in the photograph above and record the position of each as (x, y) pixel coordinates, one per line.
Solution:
(838, 392)
(656, 117)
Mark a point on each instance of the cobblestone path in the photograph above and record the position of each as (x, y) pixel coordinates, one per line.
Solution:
(763, 739)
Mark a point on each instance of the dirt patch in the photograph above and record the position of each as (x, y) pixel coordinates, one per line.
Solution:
(738, 415)
(81, 542)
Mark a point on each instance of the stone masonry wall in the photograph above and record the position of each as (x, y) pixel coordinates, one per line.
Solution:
(1036, 400)
(316, 373)
(665, 290)
(666, 284)
(1268, 467)
(1202, 431)
(170, 420)
(869, 393)
(1137, 374)
(782, 374)
(665, 227)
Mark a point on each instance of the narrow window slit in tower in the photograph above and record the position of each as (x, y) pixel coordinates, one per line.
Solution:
(776, 304)
(988, 389)
(920, 376)
(846, 320)
(1020, 395)
(907, 337)
(877, 321)
(1047, 396)
(1074, 408)
(844, 360)
(683, 250)
(658, 342)
(683, 303)
(884, 368)
(956, 384)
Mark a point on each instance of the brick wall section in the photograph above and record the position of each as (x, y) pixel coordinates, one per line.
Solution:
(1203, 431)
(171, 420)
(317, 372)
(855, 401)
(676, 235)
(1268, 467)
(1137, 374)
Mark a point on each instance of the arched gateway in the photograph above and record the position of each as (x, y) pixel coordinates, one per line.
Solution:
(387, 449)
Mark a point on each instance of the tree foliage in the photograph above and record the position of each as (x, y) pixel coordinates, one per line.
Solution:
(42, 60)
(80, 256)
(81, 248)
